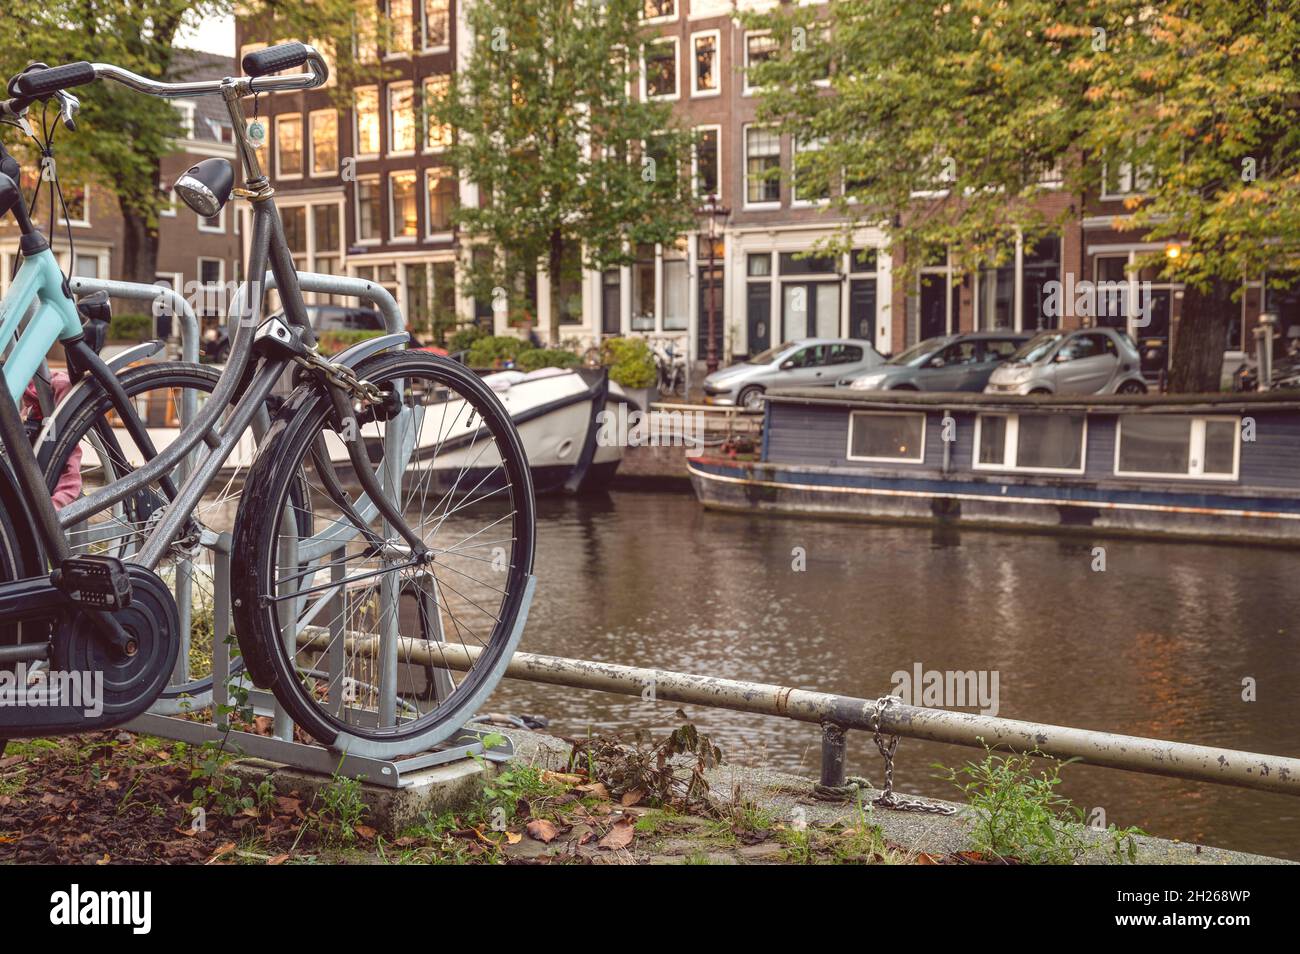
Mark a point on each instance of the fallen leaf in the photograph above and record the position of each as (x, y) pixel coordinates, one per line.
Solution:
(924, 859)
(225, 849)
(595, 788)
(561, 778)
(631, 798)
(366, 832)
(541, 830)
(278, 860)
(513, 838)
(619, 836)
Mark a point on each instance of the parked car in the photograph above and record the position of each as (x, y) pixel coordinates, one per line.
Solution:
(1085, 361)
(216, 342)
(807, 362)
(946, 363)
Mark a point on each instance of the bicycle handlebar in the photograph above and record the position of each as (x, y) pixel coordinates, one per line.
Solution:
(42, 82)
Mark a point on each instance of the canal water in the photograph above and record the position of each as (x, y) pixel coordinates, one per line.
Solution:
(1158, 644)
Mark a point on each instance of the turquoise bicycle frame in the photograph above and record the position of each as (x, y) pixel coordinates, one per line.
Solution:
(56, 319)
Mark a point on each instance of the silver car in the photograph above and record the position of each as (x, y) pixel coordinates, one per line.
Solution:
(1086, 361)
(807, 362)
(946, 363)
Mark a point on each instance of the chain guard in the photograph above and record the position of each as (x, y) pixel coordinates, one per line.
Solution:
(129, 684)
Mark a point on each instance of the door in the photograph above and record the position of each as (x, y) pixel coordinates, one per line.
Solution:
(758, 316)
(934, 306)
(1085, 364)
(1153, 337)
(710, 294)
(610, 302)
(810, 310)
(862, 309)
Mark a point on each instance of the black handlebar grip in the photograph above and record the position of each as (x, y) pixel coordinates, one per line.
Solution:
(274, 59)
(43, 82)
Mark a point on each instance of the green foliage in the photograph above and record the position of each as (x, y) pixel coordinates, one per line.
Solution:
(631, 362)
(533, 358)
(341, 810)
(1020, 816)
(332, 342)
(545, 81)
(491, 351)
(464, 337)
(130, 327)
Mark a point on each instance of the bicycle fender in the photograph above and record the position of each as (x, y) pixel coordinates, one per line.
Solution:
(353, 356)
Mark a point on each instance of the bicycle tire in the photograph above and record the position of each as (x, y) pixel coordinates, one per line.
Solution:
(286, 451)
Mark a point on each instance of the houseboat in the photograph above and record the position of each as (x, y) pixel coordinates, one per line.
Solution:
(1210, 466)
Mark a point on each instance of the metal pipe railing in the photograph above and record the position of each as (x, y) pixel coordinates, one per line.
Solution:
(1199, 763)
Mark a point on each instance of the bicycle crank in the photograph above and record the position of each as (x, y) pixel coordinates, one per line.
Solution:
(83, 681)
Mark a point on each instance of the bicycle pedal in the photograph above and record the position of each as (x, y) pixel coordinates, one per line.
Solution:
(94, 582)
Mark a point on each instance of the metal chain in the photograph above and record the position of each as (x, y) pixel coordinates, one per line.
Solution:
(887, 798)
(341, 376)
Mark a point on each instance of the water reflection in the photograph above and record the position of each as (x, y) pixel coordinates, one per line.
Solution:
(1156, 645)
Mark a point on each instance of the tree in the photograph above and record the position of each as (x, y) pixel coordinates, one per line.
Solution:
(971, 103)
(123, 135)
(571, 169)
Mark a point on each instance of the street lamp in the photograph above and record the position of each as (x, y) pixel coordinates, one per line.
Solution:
(714, 213)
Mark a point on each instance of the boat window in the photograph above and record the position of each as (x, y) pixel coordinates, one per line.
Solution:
(886, 437)
(1030, 442)
(1150, 445)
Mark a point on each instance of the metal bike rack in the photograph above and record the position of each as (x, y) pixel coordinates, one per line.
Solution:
(183, 719)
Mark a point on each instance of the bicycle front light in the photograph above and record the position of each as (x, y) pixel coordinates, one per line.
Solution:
(205, 187)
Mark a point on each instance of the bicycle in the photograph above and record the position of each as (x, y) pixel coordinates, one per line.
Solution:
(670, 364)
(376, 453)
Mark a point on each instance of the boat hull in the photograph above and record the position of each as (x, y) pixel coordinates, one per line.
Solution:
(842, 492)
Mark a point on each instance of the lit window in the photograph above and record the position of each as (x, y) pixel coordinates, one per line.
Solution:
(437, 23)
(759, 48)
(660, 9)
(402, 208)
(442, 198)
(288, 141)
(368, 209)
(367, 100)
(401, 26)
(890, 437)
(704, 76)
(324, 142)
(401, 117)
(660, 72)
(706, 162)
(437, 135)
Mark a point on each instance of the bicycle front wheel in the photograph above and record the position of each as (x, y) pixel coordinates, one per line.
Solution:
(370, 649)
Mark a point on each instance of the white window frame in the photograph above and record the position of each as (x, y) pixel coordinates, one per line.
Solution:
(1126, 174)
(429, 231)
(393, 151)
(422, 127)
(84, 222)
(919, 459)
(1195, 451)
(696, 92)
(392, 218)
(169, 210)
(310, 142)
(424, 29)
(1011, 447)
(795, 201)
(219, 229)
(356, 122)
(378, 238)
(717, 160)
(746, 88)
(206, 288)
(744, 168)
(677, 71)
(390, 54)
(302, 135)
(188, 114)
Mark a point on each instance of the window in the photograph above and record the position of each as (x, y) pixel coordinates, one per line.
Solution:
(294, 219)
(705, 78)
(437, 23)
(169, 208)
(659, 69)
(1041, 268)
(1035, 442)
(1158, 445)
(368, 209)
(436, 136)
(324, 142)
(211, 276)
(401, 210)
(367, 110)
(78, 201)
(660, 9)
(440, 183)
(216, 224)
(762, 164)
(886, 437)
(86, 266)
(401, 118)
(808, 184)
(758, 265)
(759, 48)
(325, 228)
(401, 27)
(288, 146)
(185, 113)
(676, 288)
(706, 160)
(366, 35)
(1120, 179)
(643, 289)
